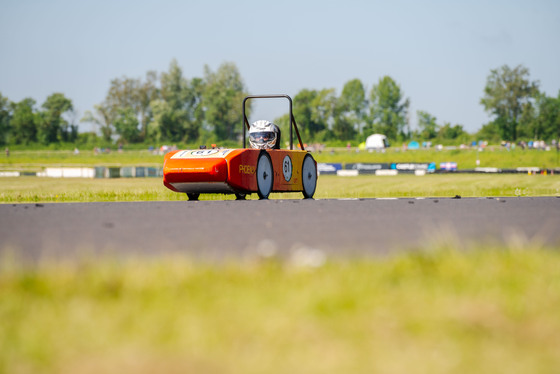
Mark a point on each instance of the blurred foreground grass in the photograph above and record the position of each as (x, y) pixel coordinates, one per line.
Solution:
(490, 310)
(35, 189)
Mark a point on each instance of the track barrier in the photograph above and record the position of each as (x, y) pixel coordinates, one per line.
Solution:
(340, 169)
(95, 172)
(421, 168)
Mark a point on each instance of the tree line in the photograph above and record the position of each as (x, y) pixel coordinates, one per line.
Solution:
(22, 123)
(518, 108)
(170, 108)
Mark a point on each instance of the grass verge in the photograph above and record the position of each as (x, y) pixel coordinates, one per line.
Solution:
(439, 311)
(34, 189)
(465, 158)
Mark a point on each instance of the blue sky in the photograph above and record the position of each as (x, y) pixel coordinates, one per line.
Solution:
(439, 52)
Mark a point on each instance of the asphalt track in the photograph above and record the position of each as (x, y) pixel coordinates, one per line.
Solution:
(233, 229)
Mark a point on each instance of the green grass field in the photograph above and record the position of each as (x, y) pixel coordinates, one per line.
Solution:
(492, 310)
(36, 160)
(466, 159)
(35, 189)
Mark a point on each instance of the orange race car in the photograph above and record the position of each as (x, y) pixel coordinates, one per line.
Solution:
(263, 168)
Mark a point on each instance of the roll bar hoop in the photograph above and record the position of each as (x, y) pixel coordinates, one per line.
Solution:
(293, 124)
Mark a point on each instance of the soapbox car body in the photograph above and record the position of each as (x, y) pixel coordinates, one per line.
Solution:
(242, 171)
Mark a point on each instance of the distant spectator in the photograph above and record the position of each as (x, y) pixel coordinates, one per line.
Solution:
(7, 152)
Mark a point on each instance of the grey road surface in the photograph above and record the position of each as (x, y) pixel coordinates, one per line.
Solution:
(224, 229)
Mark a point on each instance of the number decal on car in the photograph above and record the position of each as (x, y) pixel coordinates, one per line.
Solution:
(287, 168)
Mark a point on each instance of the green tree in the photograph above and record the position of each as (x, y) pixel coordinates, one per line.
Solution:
(52, 126)
(223, 95)
(546, 122)
(343, 127)
(388, 109)
(184, 101)
(449, 132)
(174, 86)
(24, 121)
(427, 125)
(349, 112)
(303, 113)
(147, 92)
(323, 109)
(164, 125)
(123, 95)
(489, 132)
(132, 96)
(508, 92)
(353, 98)
(170, 117)
(126, 125)
(102, 118)
(5, 119)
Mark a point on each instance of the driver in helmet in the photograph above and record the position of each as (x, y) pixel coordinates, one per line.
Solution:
(264, 135)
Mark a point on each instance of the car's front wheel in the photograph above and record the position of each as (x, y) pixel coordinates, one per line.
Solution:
(265, 175)
(309, 176)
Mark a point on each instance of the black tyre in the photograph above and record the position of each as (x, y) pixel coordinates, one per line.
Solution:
(240, 196)
(193, 195)
(265, 175)
(309, 176)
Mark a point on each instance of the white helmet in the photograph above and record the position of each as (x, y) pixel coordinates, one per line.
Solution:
(264, 135)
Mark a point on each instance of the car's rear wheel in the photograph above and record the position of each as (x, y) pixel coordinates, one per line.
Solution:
(265, 175)
(193, 195)
(309, 176)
